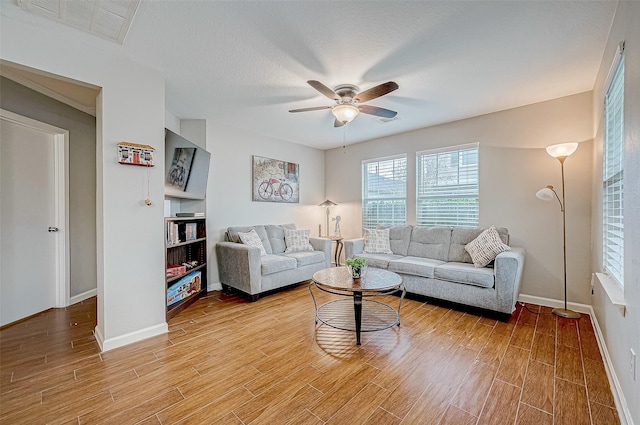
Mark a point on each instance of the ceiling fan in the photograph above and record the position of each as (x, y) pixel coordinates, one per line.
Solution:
(349, 101)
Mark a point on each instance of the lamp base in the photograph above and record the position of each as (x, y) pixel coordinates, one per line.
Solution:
(567, 314)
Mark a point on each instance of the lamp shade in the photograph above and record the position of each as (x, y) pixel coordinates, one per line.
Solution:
(545, 194)
(562, 149)
(345, 113)
(327, 204)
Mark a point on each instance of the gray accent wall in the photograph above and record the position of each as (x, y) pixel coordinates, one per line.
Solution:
(82, 174)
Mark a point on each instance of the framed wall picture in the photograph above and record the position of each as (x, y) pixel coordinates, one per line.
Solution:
(275, 180)
(178, 174)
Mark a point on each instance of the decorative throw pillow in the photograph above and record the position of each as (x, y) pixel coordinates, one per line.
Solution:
(376, 241)
(485, 247)
(251, 238)
(297, 240)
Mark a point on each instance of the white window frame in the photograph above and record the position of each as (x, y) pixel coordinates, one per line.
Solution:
(613, 172)
(469, 190)
(397, 197)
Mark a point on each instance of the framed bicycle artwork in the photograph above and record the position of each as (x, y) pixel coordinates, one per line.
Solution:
(178, 174)
(275, 180)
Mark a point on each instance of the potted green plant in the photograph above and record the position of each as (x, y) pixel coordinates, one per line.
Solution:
(356, 266)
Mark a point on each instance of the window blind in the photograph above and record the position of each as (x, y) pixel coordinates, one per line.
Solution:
(447, 187)
(612, 177)
(384, 191)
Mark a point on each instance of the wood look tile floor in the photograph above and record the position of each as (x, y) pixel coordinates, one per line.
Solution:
(228, 361)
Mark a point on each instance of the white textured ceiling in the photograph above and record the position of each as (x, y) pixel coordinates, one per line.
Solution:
(245, 64)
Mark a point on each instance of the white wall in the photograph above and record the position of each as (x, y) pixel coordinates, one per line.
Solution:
(130, 255)
(229, 189)
(621, 333)
(513, 166)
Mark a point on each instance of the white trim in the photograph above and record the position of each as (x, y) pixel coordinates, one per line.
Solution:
(83, 296)
(474, 145)
(550, 302)
(384, 158)
(614, 65)
(618, 396)
(215, 286)
(30, 84)
(621, 404)
(130, 338)
(61, 176)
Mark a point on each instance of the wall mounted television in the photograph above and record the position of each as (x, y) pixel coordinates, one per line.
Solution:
(186, 168)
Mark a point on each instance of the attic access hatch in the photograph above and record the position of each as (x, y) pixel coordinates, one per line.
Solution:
(110, 19)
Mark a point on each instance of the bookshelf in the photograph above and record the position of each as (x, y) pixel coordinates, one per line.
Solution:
(185, 261)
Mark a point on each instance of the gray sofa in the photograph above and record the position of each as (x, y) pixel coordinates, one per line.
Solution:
(243, 268)
(433, 262)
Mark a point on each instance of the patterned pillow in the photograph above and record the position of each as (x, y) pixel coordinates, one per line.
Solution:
(297, 240)
(485, 247)
(251, 238)
(376, 241)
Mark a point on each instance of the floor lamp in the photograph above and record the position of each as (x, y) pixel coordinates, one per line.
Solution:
(327, 204)
(561, 152)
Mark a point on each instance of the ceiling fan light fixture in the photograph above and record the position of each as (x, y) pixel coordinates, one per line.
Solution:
(345, 112)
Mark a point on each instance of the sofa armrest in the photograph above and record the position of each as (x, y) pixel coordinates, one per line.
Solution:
(353, 247)
(239, 266)
(324, 245)
(508, 269)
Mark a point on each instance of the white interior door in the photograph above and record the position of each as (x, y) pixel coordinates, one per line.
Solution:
(32, 232)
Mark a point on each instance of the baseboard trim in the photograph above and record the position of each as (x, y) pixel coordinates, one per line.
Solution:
(216, 286)
(84, 296)
(122, 340)
(550, 302)
(618, 396)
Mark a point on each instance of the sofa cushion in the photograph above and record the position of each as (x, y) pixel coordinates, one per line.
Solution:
(380, 261)
(297, 240)
(307, 258)
(465, 273)
(430, 242)
(252, 239)
(416, 266)
(461, 236)
(232, 235)
(376, 241)
(485, 247)
(275, 233)
(399, 237)
(276, 263)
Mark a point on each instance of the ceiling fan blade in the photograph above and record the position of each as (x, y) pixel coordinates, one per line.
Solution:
(377, 91)
(323, 89)
(337, 123)
(379, 112)
(313, 108)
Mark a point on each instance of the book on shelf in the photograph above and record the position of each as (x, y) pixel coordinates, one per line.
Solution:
(190, 214)
(190, 231)
(172, 234)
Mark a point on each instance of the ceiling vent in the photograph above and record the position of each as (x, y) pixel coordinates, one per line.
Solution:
(110, 19)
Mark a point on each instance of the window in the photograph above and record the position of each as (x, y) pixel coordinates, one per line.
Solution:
(448, 187)
(384, 191)
(612, 177)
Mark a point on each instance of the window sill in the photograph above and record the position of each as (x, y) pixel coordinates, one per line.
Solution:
(614, 292)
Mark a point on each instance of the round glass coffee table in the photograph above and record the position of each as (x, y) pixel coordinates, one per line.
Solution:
(363, 314)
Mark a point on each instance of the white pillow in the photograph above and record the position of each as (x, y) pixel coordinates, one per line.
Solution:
(376, 241)
(485, 247)
(251, 238)
(297, 240)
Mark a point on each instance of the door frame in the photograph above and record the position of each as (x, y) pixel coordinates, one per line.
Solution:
(61, 189)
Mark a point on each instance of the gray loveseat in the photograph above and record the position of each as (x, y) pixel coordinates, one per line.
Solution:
(433, 262)
(243, 268)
